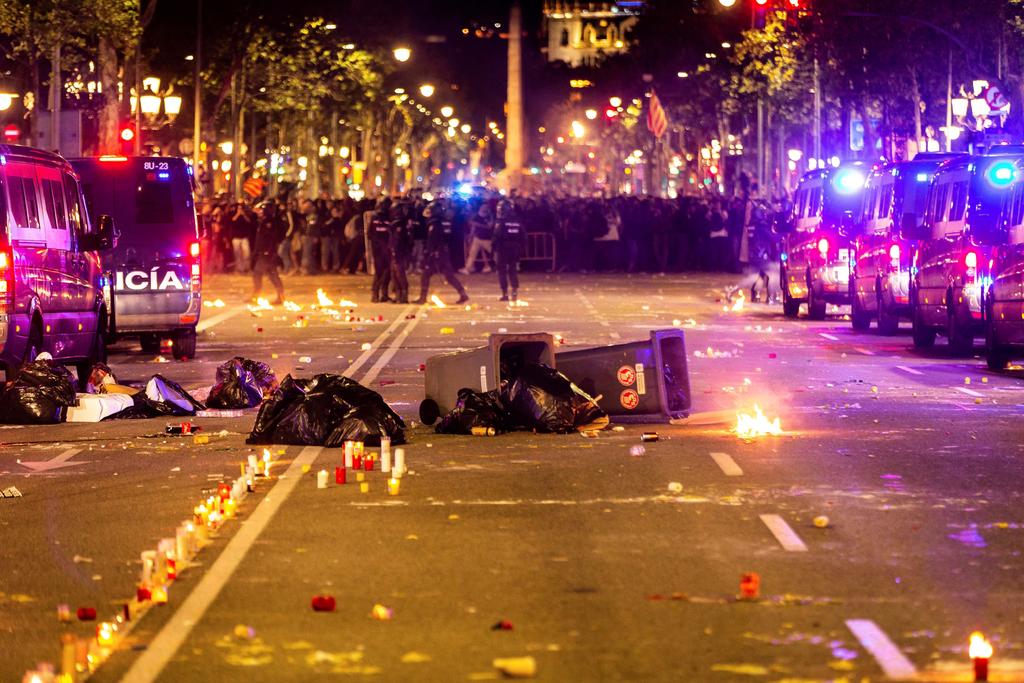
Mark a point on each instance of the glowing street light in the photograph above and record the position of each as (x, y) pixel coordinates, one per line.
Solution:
(6, 100)
(591, 114)
(402, 54)
(577, 129)
(466, 128)
(615, 101)
(453, 123)
(427, 90)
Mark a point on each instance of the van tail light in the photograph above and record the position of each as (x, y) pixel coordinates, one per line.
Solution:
(6, 280)
(894, 256)
(195, 271)
(823, 247)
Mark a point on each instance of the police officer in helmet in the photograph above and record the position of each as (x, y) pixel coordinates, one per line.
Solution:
(380, 249)
(436, 255)
(400, 247)
(270, 231)
(509, 244)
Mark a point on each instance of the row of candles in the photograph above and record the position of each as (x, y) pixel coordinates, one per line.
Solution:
(160, 568)
(356, 458)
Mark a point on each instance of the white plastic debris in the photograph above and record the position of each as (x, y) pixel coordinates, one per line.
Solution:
(305, 359)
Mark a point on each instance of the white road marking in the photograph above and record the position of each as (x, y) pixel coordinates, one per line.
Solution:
(358, 362)
(831, 337)
(970, 392)
(909, 370)
(861, 349)
(207, 323)
(727, 464)
(894, 663)
(390, 353)
(784, 534)
(56, 462)
(614, 335)
(166, 643)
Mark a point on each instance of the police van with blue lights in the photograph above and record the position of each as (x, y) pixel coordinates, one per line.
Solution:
(890, 227)
(952, 269)
(815, 258)
(1004, 301)
(157, 278)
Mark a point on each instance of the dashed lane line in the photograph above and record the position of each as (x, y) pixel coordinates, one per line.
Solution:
(152, 661)
(207, 323)
(909, 370)
(727, 464)
(375, 344)
(894, 663)
(970, 392)
(861, 349)
(830, 337)
(784, 534)
(386, 357)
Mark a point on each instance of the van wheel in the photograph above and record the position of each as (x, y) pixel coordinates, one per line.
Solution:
(34, 346)
(859, 318)
(924, 336)
(184, 344)
(995, 355)
(961, 340)
(150, 343)
(97, 355)
(888, 322)
(815, 304)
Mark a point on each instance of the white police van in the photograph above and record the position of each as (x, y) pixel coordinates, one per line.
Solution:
(156, 266)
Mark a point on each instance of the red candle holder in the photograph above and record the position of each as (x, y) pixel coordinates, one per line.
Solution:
(357, 462)
(86, 613)
(339, 475)
(750, 586)
(981, 668)
(368, 464)
(323, 603)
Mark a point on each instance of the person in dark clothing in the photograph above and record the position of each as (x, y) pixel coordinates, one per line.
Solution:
(380, 250)
(241, 238)
(437, 253)
(269, 233)
(400, 247)
(509, 242)
(331, 235)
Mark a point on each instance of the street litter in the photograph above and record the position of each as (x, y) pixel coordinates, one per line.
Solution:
(649, 436)
(41, 394)
(503, 625)
(516, 667)
(637, 451)
(821, 521)
(241, 383)
(675, 487)
(538, 398)
(326, 410)
(10, 492)
(382, 613)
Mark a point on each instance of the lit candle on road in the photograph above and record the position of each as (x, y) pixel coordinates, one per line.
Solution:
(321, 479)
(385, 450)
(399, 466)
(350, 448)
(339, 475)
(393, 486)
(252, 462)
(105, 634)
(364, 487)
(980, 651)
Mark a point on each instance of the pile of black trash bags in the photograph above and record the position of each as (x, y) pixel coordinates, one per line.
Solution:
(538, 398)
(327, 410)
(241, 383)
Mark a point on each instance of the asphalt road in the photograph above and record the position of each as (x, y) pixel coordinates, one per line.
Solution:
(603, 570)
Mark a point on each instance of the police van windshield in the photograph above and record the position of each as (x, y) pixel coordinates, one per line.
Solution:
(150, 200)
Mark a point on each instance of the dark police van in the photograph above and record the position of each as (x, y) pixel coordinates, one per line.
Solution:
(1004, 305)
(51, 279)
(815, 258)
(156, 265)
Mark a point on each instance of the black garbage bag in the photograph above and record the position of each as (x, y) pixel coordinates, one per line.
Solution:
(162, 397)
(476, 409)
(544, 399)
(325, 411)
(241, 383)
(40, 395)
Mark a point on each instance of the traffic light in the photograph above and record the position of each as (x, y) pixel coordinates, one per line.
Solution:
(127, 135)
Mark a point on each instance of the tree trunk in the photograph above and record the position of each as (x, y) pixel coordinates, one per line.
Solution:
(109, 114)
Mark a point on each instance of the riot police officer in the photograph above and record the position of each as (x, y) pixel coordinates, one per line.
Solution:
(400, 247)
(380, 249)
(509, 243)
(437, 255)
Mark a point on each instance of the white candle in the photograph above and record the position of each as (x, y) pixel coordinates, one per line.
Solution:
(181, 545)
(148, 562)
(349, 448)
(321, 479)
(399, 467)
(385, 460)
(252, 462)
(385, 447)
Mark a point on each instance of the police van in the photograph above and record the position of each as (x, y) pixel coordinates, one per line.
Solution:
(156, 266)
(51, 279)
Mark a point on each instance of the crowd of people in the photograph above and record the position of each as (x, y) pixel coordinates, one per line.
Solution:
(418, 233)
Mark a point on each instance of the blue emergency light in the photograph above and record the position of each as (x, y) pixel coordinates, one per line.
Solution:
(1001, 173)
(849, 180)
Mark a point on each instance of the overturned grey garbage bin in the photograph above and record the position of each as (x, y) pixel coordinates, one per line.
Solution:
(480, 369)
(645, 381)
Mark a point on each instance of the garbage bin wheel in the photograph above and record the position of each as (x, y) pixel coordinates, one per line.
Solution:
(184, 344)
(429, 411)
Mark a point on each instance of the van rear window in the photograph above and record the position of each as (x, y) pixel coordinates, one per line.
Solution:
(154, 204)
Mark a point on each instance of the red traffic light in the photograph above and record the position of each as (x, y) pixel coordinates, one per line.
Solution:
(127, 133)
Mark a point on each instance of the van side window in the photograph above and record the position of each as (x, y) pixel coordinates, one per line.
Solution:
(74, 210)
(1017, 214)
(959, 201)
(23, 202)
(885, 203)
(814, 203)
(53, 197)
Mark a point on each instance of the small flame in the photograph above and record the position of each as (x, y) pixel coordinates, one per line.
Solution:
(292, 306)
(751, 426)
(322, 298)
(436, 300)
(979, 647)
(345, 303)
(738, 304)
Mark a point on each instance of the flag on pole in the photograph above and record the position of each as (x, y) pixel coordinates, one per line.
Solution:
(254, 187)
(657, 119)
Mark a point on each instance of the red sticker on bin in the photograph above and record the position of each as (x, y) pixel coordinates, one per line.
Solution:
(629, 399)
(626, 376)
